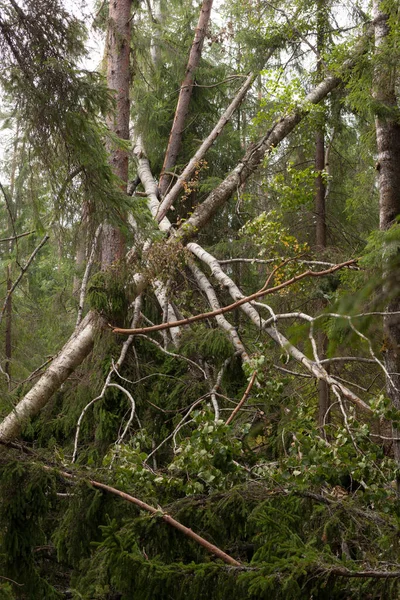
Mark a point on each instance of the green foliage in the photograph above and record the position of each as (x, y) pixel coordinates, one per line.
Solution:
(271, 236)
(107, 294)
(28, 494)
(211, 344)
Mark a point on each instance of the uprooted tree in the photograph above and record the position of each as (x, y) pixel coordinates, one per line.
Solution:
(210, 223)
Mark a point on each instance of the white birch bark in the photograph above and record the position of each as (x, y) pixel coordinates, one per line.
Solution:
(208, 289)
(188, 171)
(257, 151)
(71, 356)
(315, 369)
(150, 186)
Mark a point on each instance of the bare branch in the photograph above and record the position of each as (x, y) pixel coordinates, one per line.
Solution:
(22, 273)
(16, 237)
(205, 146)
(230, 307)
(243, 400)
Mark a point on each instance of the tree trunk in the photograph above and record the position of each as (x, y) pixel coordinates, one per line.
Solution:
(8, 347)
(320, 214)
(118, 79)
(72, 355)
(205, 146)
(257, 151)
(388, 142)
(182, 108)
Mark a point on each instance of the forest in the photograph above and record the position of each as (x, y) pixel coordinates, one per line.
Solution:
(200, 300)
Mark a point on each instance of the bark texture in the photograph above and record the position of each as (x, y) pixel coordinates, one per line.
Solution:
(72, 355)
(118, 79)
(320, 212)
(182, 108)
(205, 146)
(388, 143)
(316, 370)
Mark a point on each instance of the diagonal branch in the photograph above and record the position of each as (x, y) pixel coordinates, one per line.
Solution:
(185, 94)
(22, 273)
(256, 152)
(205, 146)
(230, 307)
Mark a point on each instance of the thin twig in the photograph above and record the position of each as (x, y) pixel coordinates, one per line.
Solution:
(11, 239)
(243, 400)
(23, 271)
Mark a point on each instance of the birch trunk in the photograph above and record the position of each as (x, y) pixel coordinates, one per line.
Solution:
(182, 108)
(71, 356)
(205, 146)
(256, 152)
(388, 143)
(316, 370)
(208, 289)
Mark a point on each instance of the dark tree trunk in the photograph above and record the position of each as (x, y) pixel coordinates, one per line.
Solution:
(182, 108)
(118, 79)
(8, 347)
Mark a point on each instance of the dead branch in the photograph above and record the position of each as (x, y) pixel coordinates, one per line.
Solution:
(159, 512)
(22, 273)
(108, 384)
(243, 400)
(16, 237)
(230, 307)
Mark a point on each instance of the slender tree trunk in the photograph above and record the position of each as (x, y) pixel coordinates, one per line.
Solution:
(320, 213)
(118, 79)
(8, 347)
(388, 142)
(175, 138)
(82, 247)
